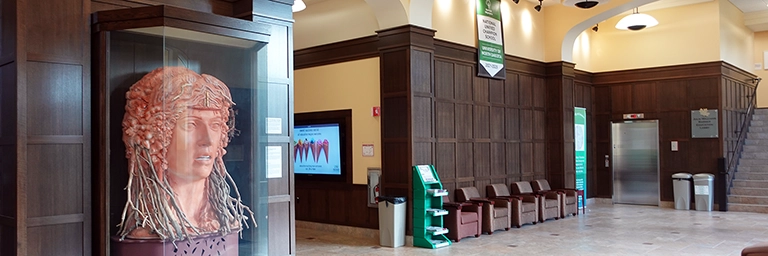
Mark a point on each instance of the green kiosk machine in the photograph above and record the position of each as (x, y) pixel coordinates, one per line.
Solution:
(428, 212)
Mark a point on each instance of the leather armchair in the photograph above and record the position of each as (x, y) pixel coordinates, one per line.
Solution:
(525, 208)
(568, 197)
(496, 212)
(760, 249)
(463, 219)
(549, 205)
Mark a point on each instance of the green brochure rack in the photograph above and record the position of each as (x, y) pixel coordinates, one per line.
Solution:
(428, 193)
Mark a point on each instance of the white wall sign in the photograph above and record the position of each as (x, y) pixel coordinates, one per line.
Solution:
(274, 156)
(274, 125)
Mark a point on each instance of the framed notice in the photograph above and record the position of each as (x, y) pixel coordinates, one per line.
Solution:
(490, 40)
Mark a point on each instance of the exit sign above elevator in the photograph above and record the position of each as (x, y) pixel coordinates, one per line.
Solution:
(634, 116)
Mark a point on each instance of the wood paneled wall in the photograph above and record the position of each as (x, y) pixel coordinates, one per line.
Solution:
(584, 96)
(335, 204)
(668, 94)
(45, 120)
(486, 131)
(435, 110)
(45, 140)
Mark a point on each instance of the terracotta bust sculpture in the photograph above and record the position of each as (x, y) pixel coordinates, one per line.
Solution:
(176, 126)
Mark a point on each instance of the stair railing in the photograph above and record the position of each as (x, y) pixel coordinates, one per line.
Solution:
(728, 170)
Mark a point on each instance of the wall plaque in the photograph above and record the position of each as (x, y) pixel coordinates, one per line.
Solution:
(704, 123)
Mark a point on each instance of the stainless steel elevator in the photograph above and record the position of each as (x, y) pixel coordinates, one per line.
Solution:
(635, 162)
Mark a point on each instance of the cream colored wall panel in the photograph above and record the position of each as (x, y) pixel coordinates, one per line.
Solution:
(332, 21)
(736, 39)
(686, 34)
(760, 46)
(454, 21)
(582, 48)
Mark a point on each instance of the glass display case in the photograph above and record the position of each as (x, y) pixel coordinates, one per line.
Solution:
(177, 133)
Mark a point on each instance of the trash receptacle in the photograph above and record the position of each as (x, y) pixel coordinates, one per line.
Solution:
(681, 182)
(391, 221)
(703, 188)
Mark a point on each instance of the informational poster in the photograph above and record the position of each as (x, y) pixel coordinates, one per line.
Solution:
(490, 40)
(274, 156)
(426, 174)
(580, 146)
(274, 125)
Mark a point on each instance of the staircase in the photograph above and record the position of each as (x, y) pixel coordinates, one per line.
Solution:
(750, 184)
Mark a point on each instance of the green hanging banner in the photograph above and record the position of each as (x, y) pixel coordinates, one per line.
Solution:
(580, 146)
(490, 40)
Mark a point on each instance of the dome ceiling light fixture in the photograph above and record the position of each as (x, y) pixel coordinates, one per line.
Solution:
(298, 5)
(636, 21)
(586, 4)
(583, 4)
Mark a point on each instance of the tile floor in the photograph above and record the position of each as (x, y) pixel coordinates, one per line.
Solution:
(604, 230)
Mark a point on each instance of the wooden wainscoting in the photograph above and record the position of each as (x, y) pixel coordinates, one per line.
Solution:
(340, 204)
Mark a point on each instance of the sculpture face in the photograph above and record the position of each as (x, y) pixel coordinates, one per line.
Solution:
(195, 144)
(176, 126)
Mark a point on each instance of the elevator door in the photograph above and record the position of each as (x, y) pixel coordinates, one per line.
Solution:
(636, 162)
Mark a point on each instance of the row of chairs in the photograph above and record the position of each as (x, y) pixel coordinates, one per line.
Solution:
(530, 202)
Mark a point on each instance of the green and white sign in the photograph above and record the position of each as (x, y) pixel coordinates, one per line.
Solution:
(580, 146)
(490, 40)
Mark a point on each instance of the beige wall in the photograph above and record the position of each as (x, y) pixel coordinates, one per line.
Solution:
(685, 34)
(559, 19)
(325, 88)
(332, 21)
(582, 49)
(761, 46)
(454, 21)
(736, 39)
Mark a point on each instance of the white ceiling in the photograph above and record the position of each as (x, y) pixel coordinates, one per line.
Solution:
(748, 6)
(755, 13)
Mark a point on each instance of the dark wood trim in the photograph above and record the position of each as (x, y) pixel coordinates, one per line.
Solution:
(56, 139)
(7, 59)
(686, 71)
(7, 221)
(583, 77)
(43, 58)
(560, 69)
(219, 7)
(735, 73)
(406, 35)
(163, 15)
(55, 220)
(350, 50)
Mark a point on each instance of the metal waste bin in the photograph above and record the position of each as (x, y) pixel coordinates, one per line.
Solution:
(681, 182)
(391, 221)
(703, 190)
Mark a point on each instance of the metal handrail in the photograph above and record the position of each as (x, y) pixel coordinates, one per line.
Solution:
(731, 168)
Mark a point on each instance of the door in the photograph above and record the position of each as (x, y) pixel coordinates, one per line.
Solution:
(636, 162)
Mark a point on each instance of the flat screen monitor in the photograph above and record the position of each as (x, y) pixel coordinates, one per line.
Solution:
(317, 149)
(322, 149)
